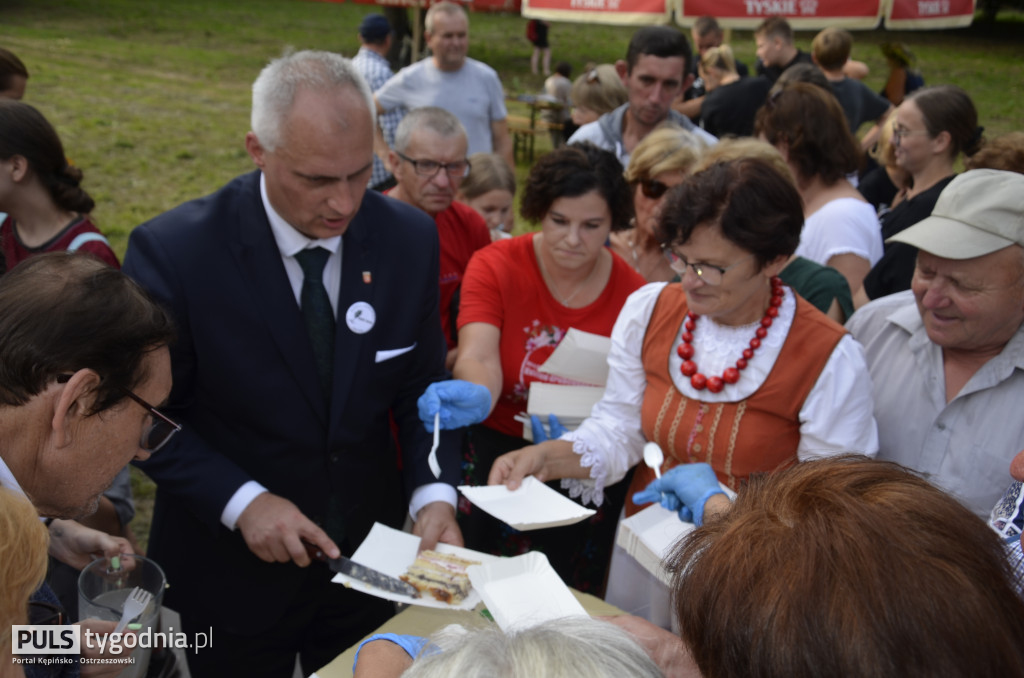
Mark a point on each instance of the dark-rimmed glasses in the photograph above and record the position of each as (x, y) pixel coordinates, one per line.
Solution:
(161, 427)
(652, 188)
(709, 273)
(429, 168)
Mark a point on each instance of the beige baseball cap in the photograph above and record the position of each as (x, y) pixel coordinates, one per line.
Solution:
(979, 212)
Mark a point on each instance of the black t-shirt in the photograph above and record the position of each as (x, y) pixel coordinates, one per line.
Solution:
(877, 188)
(773, 72)
(859, 103)
(730, 109)
(895, 269)
(697, 89)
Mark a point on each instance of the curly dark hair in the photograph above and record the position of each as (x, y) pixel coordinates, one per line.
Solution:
(572, 171)
(755, 206)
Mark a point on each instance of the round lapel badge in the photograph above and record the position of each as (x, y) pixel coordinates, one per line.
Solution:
(360, 317)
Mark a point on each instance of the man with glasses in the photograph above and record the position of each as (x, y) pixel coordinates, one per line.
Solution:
(656, 70)
(429, 162)
(309, 319)
(83, 353)
(468, 88)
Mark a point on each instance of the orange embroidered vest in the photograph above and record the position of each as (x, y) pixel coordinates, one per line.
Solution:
(758, 434)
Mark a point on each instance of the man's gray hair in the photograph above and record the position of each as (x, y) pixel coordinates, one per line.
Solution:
(427, 117)
(274, 90)
(448, 8)
(572, 647)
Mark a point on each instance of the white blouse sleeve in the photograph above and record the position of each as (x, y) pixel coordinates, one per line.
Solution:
(611, 440)
(838, 415)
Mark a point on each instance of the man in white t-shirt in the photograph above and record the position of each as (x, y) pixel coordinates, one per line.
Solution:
(449, 79)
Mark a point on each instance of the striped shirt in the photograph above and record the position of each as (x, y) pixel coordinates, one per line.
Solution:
(375, 69)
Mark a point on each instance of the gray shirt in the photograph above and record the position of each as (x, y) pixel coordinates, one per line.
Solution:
(473, 94)
(965, 447)
(606, 132)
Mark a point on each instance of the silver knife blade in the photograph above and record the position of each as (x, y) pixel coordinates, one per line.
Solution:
(371, 576)
(350, 568)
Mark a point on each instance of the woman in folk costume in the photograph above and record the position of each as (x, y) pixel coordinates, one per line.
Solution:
(728, 367)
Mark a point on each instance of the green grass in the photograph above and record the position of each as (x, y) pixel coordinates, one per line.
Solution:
(151, 98)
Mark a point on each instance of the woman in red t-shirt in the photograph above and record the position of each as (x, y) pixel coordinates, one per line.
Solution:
(47, 210)
(519, 297)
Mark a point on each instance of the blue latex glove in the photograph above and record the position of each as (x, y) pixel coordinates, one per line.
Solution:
(460, 403)
(540, 435)
(413, 645)
(685, 489)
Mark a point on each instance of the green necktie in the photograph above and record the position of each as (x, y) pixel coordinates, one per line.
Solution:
(317, 311)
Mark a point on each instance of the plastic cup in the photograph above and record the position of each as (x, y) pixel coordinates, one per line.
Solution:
(103, 587)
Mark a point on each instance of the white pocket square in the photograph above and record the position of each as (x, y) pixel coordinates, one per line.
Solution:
(392, 353)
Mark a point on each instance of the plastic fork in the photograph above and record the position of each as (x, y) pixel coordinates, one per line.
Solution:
(134, 604)
(435, 468)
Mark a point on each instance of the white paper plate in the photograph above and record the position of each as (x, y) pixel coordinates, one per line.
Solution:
(523, 591)
(533, 506)
(392, 552)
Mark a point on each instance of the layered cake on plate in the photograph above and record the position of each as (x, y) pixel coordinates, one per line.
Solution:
(441, 575)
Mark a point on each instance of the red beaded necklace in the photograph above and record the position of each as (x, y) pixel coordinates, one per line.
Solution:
(731, 374)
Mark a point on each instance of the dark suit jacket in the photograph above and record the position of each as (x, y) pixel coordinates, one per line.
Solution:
(247, 394)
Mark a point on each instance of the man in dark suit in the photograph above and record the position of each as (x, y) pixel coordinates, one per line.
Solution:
(308, 317)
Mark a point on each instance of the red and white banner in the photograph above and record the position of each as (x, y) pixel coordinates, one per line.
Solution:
(928, 14)
(618, 12)
(801, 14)
(748, 14)
(805, 15)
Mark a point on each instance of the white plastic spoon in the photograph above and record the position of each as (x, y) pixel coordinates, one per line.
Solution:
(654, 457)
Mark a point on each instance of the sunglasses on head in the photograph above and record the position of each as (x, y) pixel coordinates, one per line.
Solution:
(652, 189)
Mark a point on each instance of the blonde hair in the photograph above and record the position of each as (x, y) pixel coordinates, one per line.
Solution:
(667, 148)
(487, 172)
(23, 547)
(719, 58)
(883, 152)
(600, 89)
(733, 149)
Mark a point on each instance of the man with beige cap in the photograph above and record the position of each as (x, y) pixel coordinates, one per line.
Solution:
(947, 357)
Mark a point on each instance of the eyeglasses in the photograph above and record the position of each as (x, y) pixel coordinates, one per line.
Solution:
(41, 612)
(710, 274)
(429, 168)
(652, 189)
(161, 429)
(899, 132)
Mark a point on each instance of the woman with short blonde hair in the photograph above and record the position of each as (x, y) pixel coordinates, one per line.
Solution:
(660, 161)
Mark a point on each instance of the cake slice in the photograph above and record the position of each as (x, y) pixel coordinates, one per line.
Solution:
(442, 575)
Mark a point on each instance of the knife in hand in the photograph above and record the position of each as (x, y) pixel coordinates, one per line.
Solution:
(374, 578)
